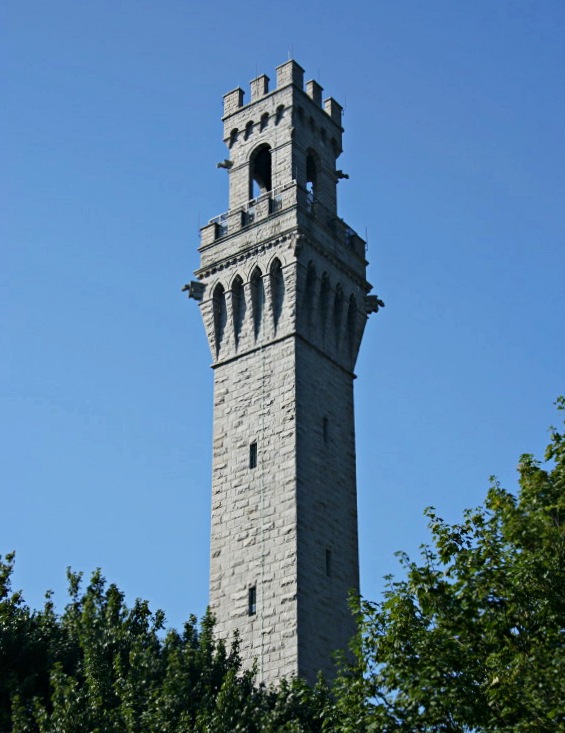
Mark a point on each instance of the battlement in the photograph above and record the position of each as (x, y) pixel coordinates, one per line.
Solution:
(288, 74)
(287, 133)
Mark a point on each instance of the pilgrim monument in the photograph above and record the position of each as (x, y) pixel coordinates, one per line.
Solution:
(283, 294)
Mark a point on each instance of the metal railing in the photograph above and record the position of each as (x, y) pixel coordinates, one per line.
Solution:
(279, 199)
(254, 210)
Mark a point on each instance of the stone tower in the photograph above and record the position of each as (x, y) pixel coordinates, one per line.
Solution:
(283, 296)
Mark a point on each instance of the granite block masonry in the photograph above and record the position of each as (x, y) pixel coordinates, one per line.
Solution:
(284, 298)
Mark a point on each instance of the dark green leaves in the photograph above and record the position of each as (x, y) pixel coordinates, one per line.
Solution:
(473, 639)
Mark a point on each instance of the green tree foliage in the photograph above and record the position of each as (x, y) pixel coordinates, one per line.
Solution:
(473, 639)
(101, 667)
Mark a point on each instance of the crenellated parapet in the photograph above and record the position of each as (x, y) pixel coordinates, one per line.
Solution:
(289, 74)
(283, 135)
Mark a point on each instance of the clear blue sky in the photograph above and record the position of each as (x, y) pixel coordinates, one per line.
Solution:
(454, 118)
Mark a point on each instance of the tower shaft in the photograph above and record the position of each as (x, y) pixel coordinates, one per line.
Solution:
(283, 296)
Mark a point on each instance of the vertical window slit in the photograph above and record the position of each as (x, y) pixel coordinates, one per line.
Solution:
(328, 562)
(253, 455)
(252, 601)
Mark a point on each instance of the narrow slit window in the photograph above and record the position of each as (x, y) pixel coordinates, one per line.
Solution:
(326, 429)
(252, 601)
(328, 563)
(253, 455)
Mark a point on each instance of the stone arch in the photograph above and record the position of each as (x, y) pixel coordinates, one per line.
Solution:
(257, 298)
(277, 289)
(325, 288)
(233, 137)
(238, 305)
(351, 323)
(220, 314)
(278, 256)
(260, 171)
(337, 316)
(309, 291)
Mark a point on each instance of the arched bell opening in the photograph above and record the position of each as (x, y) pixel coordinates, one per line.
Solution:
(312, 167)
(260, 171)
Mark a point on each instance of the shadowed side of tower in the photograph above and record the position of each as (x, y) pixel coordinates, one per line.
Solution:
(283, 296)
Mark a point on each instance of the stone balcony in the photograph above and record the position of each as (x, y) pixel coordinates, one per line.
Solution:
(273, 203)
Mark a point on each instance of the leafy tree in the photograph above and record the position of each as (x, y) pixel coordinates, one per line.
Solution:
(473, 639)
(101, 667)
